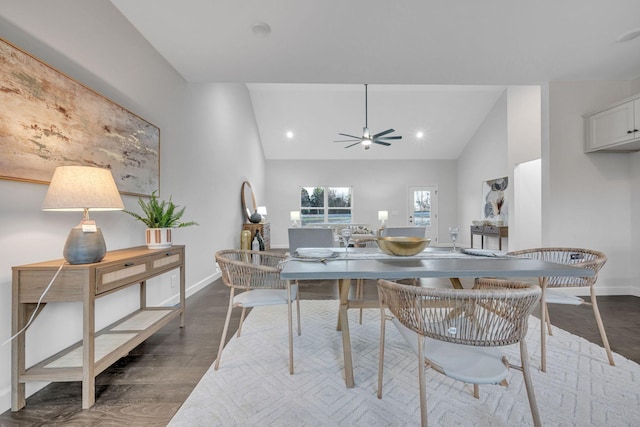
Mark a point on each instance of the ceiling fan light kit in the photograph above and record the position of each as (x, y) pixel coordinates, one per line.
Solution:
(367, 139)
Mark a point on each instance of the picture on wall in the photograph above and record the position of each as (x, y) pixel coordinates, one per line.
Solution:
(48, 120)
(494, 204)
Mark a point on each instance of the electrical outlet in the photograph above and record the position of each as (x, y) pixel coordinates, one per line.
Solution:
(174, 281)
(217, 268)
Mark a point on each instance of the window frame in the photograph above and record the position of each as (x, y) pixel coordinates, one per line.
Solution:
(325, 208)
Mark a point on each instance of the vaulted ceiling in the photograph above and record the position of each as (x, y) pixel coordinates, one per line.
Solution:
(433, 66)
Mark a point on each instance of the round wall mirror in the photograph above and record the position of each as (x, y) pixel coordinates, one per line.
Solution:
(249, 205)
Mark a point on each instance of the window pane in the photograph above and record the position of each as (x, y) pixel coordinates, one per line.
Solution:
(311, 197)
(340, 216)
(422, 208)
(339, 197)
(311, 216)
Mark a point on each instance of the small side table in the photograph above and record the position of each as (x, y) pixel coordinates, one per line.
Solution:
(265, 231)
(489, 231)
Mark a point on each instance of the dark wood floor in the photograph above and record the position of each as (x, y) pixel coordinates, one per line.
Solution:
(148, 386)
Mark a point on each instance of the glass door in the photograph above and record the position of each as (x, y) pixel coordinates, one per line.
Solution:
(423, 210)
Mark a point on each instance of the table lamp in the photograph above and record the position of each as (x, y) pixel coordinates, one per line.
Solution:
(83, 188)
(295, 217)
(383, 216)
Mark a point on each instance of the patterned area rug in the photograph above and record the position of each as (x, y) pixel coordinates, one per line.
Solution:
(253, 385)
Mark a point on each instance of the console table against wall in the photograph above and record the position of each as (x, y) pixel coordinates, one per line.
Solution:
(85, 283)
(489, 231)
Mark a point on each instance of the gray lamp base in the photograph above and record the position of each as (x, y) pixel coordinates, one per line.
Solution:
(84, 248)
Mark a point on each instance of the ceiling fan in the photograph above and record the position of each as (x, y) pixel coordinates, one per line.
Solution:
(367, 139)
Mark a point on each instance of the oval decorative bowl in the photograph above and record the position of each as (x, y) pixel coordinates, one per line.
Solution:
(402, 246)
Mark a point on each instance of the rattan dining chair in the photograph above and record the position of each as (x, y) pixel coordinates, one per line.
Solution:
(254, 280)
(458, 332)
(578, 257)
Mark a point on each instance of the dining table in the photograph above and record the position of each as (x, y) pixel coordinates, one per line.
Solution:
(434, 262)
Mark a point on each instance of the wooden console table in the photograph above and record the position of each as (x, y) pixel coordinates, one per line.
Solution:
(489, 231)
(85, 283)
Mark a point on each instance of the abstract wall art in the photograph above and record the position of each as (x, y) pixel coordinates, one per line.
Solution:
(48, 119)
(494, 204)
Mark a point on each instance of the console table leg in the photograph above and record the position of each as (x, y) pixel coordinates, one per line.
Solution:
(88, 350)
(17, 356)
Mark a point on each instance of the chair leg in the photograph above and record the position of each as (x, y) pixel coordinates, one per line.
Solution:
(298, 310)
(603, 334)
(524, 358)
(360, 293)
(421, 382)
(543, 315)
(476, 391)
(290, 327)
(381, 354)
(244, 311)
(546, 310)
(224, 331)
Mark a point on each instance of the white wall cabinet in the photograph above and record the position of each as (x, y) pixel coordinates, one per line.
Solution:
(616, 128)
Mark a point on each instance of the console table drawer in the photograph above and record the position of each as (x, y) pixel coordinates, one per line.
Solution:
(167, 260)
(114, 276)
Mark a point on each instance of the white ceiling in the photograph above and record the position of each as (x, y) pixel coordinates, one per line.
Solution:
(331, 47)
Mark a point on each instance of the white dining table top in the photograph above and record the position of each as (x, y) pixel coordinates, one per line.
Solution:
(370, 263)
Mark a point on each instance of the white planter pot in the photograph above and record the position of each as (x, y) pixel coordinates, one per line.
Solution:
(158, 238)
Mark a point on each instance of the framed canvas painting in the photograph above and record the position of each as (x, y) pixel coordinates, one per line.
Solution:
(48, 120)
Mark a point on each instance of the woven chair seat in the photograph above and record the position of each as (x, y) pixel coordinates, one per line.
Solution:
(258, 297)
(466, 363)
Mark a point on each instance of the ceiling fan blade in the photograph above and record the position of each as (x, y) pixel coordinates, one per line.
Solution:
(350, 136)
(390, 137)
(345, 140)
(383, 133)
(375, 141)
(356, 143)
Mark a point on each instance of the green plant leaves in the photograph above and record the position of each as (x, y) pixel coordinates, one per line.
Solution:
(160, 213)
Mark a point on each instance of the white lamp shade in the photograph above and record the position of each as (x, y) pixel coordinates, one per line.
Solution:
(383, 215)
(262, 210)
(76, 188)
(295, 215)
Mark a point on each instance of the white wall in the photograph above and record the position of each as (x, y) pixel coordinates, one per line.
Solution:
(209, 145)
(527, 206)
(588, 199)
(377, 185)
(484, 158)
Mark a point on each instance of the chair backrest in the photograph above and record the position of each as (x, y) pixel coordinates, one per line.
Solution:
(585, 258)
(487, 316)
(308, 237)
(365, 242)
(403, 231)
(245, 269)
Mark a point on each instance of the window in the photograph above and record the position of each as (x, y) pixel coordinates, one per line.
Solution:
(325, 205)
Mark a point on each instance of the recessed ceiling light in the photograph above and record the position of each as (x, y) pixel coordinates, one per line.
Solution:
(289, 134)
(419, 134)
(261, 29)
(629, 35)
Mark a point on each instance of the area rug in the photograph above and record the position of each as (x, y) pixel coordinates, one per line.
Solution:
(253, 387)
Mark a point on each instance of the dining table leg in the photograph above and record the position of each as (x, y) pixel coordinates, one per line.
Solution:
(344, 286)
(543, 320)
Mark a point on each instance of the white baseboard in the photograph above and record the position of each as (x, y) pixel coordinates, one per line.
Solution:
(175, 299)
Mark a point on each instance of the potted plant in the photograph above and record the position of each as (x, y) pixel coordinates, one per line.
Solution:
(160, 216)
